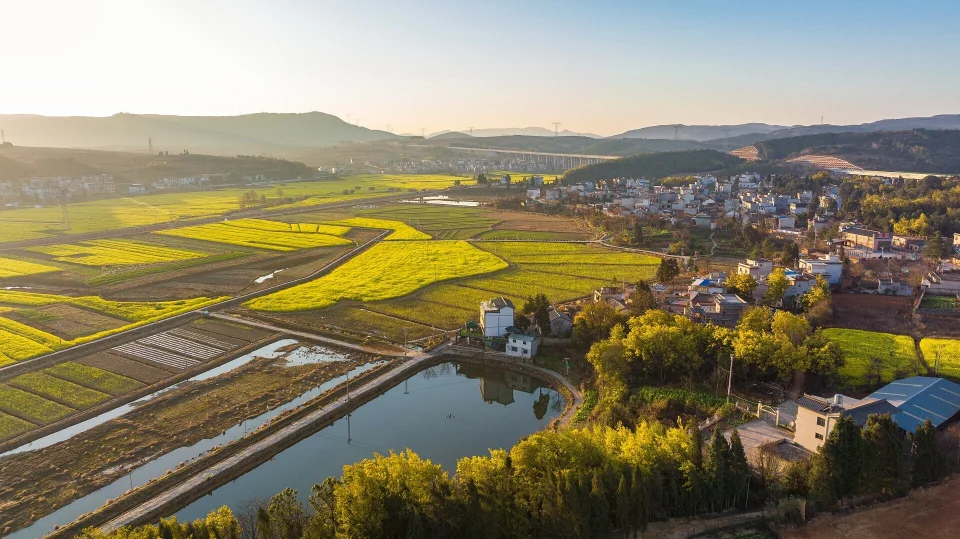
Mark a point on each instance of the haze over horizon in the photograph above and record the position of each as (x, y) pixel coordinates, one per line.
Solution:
(604, 68)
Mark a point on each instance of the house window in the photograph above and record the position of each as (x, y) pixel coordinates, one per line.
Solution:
(821, 422)
(818, 436)
(513, 348)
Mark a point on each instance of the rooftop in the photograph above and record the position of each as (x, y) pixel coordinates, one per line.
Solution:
(919, 398)
(496, 304)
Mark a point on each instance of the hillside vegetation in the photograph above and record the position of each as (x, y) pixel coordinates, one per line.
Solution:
(918, 150)
(654, 166)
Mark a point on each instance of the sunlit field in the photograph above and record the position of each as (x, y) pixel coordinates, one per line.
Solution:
(114, 253)
(273, 235)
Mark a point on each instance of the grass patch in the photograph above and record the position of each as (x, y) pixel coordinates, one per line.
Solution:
(52, 387)
(272, 235)
(501, 234)
(387, 270)
(949, 355)
(941, 303)
(11, 426)
(873, 358)
(123, 275)
(99, 379)
(590, 398)
(29, 406)
(10, 267)
(114, 253)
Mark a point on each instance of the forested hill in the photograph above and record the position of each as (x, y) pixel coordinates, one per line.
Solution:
(918, 150)
(654, 166)
(223, 135)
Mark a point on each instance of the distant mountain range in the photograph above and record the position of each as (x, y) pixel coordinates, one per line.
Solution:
(248, 133)
(744, 134)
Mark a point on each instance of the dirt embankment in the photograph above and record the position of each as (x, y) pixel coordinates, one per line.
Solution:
(930, 513)
(37, 483)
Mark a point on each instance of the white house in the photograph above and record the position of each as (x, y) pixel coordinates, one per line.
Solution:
(830, 266)
(757, 268)
(496, 316)
(520, 345)
(134, 188)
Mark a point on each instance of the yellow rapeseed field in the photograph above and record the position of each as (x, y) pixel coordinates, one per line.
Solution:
(401, 231)
(262, 234)
(18, 268)
(114, 253)
(387, 270)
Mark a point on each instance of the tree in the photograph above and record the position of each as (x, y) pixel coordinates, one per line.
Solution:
(521, 321)
(838, 465)
(611, 363)
(668, 270)
(790, 327)
(739, 469)
(287, 518)
(716, 470)
(594, 322)
(790, 254)
(887, 470)
(936, 248)
(637, 232)
(776, 286)
(742, 285)
(642, 299)
(925, 452)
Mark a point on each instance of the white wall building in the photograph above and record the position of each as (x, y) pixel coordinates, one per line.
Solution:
(830, 266)
(519, 345)
(496, 316)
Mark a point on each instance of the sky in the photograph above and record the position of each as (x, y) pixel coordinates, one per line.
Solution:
(596, 66)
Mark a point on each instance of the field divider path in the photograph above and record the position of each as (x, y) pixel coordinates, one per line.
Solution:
(59, 356)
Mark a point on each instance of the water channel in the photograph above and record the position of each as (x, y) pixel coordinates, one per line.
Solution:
(443, 413)
(442, 200)
(487, 408)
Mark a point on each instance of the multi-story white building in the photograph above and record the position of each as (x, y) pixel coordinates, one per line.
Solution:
(496, 315)
(830, 266)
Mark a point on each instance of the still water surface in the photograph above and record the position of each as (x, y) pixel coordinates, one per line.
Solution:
(443, 413)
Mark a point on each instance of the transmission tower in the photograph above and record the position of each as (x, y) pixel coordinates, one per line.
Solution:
(423, 132)
(150, 145)
(389, 128)
(726, 136)
(471, 130)
(556, 128)
(676, 131)
(3, 137)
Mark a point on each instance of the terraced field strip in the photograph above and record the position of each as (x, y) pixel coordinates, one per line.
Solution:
(157, 356)
(182, 332)
(401, 231)
(10, 267)
(11, 426)
(94, 378)
(181, 346)
(58, 390)
(31, 407)
(114, 253)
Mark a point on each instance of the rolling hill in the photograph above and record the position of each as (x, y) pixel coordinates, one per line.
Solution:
(655, 166)
(699, 133)
(230, 135)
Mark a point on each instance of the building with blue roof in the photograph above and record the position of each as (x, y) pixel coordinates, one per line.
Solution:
(920, 398)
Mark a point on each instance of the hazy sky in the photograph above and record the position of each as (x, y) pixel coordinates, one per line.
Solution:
(597, 66)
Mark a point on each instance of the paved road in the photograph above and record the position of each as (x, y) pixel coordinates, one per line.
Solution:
(200, 482)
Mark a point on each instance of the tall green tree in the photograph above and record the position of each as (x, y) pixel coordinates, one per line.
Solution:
(716, 470)
(668, 270)
(739, 468)
(776, 286)
(838, 465)
(887, 470)
(927, 461)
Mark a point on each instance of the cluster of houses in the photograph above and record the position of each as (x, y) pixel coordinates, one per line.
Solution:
(702, 201)
(54, 188)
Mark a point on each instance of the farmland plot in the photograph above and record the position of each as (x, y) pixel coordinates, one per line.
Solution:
(949, 351)
(114, 253)
(33, 408)
(94, 378)
(59, 390)
(895, 355)
(387, 270)
(11, 426)
(10, 267)
(401, 231)
(444, 223)
(272, 235)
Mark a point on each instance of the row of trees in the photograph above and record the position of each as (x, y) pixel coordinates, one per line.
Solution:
(587, 483)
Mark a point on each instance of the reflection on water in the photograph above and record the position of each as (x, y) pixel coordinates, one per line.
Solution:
(444, 413)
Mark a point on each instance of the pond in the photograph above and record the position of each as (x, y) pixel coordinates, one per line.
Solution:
(443, 413)
(442, 200)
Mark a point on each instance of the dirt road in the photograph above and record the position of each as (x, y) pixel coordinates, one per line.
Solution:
(930, 513)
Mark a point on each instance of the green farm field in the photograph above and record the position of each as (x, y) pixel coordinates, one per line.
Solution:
(895, 353)
(126, 212)
(949, 350)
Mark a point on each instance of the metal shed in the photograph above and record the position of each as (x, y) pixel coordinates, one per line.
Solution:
(919, 398)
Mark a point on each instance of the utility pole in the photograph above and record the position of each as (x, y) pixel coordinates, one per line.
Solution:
(423, 132)
(556, 128)
(389, 128)
(150, 145)
(3, 137)
(730, 378)
(404, 344)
